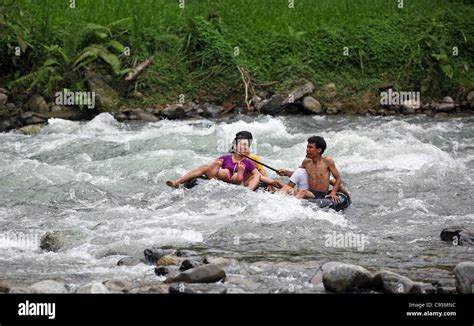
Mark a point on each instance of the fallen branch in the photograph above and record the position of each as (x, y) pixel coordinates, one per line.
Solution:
(299, 93)
(139, 69)
(248, 85)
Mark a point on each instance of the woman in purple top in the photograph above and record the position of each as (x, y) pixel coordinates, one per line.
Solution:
(234, 168)
(231, 168)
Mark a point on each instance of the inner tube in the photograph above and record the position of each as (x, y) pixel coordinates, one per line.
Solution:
(344, 199)
(194, 182)
(344, 202)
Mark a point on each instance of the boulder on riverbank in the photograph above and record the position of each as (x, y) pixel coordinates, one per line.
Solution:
(107, 99)
(153, 254)
(341, 277)
(464, 274)
(118, 286)
(202, 274)
(393, 283)
(4, 287)
(312, 105)
(173, 112)
(48, 286)
(93, 287)
(38, 104)
(31, 130)
(30, 117)
(3, 100)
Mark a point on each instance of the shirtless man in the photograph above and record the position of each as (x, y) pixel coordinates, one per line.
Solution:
(319, 170)
(299, 181)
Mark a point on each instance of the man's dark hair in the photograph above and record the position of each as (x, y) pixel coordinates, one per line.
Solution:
(319, 142)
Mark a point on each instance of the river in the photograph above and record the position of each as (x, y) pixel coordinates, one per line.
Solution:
(103, 181)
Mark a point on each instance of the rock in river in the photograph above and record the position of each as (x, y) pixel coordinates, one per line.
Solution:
(52, 241)
(166, 261)
(153, 254)
(457, 235)
(341, 277)
(48, 286)
(189, 264)
(160, 271)
(389, 282)
(128, 261)
(93, 287)
(203, 274)
(464, 274)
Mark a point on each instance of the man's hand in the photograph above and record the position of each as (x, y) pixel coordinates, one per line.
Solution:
(270, 189)
(334, 197)
(284, 173)
(277, 184)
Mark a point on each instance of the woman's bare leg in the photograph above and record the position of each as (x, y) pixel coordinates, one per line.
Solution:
(188, 176)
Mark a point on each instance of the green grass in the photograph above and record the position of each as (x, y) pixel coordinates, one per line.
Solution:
(193, 47)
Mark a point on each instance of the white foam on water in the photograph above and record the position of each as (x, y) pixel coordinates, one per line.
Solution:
(368, 152)
(103, 123)
(264, 128)
(60, 126)
(181, 128)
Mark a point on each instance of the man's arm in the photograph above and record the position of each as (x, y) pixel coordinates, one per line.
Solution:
(332, 168)
(271, 182)
(341, 187)
(288, 173)
(285, 173)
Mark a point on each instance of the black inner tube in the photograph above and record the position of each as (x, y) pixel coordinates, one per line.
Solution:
(344, 199)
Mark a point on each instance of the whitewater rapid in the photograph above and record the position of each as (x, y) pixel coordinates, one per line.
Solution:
(103, 181)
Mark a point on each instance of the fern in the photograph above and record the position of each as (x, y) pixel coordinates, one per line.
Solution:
(93, 52)
(114, 45)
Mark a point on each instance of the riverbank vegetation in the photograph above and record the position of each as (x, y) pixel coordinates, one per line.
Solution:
(360, 45)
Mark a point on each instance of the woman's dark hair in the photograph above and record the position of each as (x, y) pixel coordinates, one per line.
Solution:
(319, 142)
(241, 135)
(244, 135)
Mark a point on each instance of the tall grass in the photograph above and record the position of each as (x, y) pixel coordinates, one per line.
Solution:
(193, 47)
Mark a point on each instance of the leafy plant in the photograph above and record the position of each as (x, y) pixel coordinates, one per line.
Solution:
(67, 62)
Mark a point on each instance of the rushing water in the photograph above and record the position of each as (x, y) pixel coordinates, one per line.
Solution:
(103, 181)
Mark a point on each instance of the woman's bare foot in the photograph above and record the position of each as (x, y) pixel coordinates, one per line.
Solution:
(172, 184)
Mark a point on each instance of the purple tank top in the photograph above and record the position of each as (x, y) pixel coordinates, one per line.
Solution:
(229, 164)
